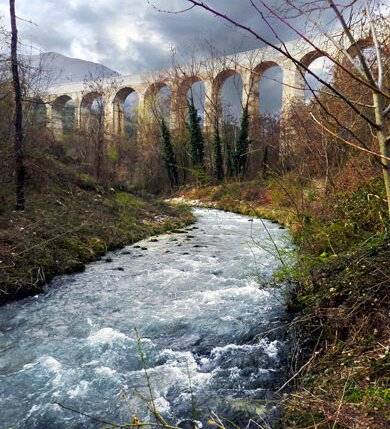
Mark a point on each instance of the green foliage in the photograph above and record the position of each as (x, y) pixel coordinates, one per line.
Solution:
(200, 175)
(196, 136)
(125, 199)
(218, 160)
(289, 191)
(354, 218)
(113, 154)
(87, 182)
(243, 142)
(312, 195)
(342, 273)
(169, 155)
(377, 396)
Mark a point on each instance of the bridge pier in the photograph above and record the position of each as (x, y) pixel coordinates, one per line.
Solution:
(293, 96)
(250, 100)
(210, 107)
(213, 73)
(77, 113)
(113, 117)
(54, 122)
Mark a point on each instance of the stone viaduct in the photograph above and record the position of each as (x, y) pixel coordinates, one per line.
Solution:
(213, 73)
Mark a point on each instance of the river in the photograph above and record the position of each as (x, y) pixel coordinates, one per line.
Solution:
(202, 318)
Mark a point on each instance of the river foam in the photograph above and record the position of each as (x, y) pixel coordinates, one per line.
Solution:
(198, 309)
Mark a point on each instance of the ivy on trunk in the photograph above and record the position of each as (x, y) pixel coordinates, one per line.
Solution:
(169, 155)
(243, 142)
(196, 136)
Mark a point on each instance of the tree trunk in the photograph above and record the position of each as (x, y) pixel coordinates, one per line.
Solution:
(384, 143)
(18, 138)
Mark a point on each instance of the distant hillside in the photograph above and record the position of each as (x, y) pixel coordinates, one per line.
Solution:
(58, 68)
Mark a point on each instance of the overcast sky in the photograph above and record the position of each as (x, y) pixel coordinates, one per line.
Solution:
(129, 36)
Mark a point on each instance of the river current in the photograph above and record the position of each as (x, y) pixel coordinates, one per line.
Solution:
(208, 331)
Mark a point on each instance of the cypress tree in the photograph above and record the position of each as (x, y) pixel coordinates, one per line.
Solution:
(243, 142)
(196, 136)
(218, 160)
(169, 155)
(229, 153)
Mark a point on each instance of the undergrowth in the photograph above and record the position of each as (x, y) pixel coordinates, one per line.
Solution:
(71, 220)
(343, 285)
(340, 359)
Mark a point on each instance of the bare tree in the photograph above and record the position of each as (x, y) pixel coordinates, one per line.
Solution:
(350, 58)
(18, 123)
(96, 93)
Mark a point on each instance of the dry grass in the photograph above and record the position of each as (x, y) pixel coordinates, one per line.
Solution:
(69, 222)
(342, 346)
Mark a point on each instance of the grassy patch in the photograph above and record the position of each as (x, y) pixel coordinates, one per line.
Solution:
(248, 198)
(68, 224)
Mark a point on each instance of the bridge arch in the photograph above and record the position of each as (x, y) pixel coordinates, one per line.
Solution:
(221, 78)
(38, 112)
(362, 44)
(342, 78)
(125, 105)
(310, 57)
(89, 98)
(92, 110)
(186, 83)
(266, 79)
(265, 101)
(366, 47)
(158, 100)
(59, 120)
(218, 83)
(323, 67)
(189, 87)
(228, 88)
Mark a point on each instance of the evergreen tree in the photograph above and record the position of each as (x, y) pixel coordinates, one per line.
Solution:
(169, 155)
(228, 151)
(218, 160)
(243, 142)
(229, 162)
(196, 136)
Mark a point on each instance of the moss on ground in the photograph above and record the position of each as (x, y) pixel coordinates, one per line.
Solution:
(69, 223)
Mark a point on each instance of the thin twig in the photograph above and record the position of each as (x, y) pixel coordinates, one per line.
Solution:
(378, 155)
(297, 373)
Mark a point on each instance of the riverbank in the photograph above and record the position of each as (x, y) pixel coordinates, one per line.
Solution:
(247, 198)
(340, 365)
(184, 305)
(69, 223)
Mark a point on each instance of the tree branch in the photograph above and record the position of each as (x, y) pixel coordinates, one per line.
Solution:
(177, 12)
(379, 58)
(378, 155)
(353, 42)
(290, 57)
(321, 51)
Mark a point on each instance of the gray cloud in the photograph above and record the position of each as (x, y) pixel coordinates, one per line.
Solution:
(129, 36)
